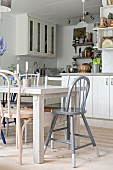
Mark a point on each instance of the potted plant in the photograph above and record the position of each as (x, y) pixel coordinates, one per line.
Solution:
(88, 51)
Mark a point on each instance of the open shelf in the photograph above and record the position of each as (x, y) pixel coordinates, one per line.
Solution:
(107, 28)
(82, 58)
(84, 44)
(106, 49)
(107, 6)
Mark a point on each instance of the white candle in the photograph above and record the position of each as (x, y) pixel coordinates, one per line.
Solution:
(17, 69)
(26, 66)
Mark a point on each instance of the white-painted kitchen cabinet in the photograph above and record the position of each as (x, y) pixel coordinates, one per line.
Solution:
(35, 37)
(111, 97)
(101, 97)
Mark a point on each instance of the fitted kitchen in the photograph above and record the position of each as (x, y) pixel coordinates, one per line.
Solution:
(53, 41)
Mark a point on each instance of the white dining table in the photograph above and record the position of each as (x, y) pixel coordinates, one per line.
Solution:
(39, 94)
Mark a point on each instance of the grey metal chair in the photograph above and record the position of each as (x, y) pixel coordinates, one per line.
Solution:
(81, 86)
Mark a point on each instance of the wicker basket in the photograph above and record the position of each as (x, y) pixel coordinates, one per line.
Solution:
(84, 68)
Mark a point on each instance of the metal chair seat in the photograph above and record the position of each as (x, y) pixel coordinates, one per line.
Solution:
(70, 112)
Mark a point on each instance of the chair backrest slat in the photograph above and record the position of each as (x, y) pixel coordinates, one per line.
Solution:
(6, 74)
(79, 86)
(47, 79)
(34, 77)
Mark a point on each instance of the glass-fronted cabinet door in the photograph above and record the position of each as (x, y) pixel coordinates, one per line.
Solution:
(31, 32)
(38, 37)
(52, 40)
(49, 39)
(45, 39)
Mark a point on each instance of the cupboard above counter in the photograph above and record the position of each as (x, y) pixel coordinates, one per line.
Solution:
(35, 37)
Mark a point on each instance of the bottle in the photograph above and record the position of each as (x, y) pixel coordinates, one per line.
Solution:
(91, 36)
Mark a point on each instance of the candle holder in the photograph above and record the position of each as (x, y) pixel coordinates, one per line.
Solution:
(26, 74)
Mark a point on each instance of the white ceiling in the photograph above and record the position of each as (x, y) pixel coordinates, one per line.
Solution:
(56, 11)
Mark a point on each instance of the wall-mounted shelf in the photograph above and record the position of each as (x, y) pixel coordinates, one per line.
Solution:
(74, 58)
(103, 29)
(106, 49)
(83, 44)
(107, 6)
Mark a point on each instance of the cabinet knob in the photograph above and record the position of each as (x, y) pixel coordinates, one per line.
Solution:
(112, 81)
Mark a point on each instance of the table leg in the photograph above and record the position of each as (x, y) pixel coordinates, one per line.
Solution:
(38, 129)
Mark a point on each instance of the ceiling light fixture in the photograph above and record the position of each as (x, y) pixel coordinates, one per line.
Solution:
(68, 21)
(92, 17)
(5, 5)
(82, 23)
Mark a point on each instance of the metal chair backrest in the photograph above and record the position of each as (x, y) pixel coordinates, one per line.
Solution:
(34, 78)
(6, 74)
(81, 85)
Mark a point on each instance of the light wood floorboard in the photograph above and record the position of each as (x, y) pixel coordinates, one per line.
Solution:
(59, 158)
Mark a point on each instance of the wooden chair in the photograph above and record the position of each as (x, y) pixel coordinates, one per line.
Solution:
(4, 102)
(17, 113)
(81, 86)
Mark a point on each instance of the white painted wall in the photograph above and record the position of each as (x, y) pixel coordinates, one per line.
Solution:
(65, 51)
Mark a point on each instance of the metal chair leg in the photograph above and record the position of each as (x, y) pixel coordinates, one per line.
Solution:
(52, 142)
(72, 141)
(50, 131)
(90, 134)
(68, 131)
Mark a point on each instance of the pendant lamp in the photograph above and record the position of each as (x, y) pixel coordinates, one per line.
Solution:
(5, 5)
(82, 23)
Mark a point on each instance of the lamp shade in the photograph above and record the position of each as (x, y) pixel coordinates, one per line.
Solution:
(82, 24)
(5, 5)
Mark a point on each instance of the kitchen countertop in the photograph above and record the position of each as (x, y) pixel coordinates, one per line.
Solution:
(86, 74)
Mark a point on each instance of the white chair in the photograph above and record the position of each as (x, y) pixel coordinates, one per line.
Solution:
(17, 112)
(57, 81)
(34, 79)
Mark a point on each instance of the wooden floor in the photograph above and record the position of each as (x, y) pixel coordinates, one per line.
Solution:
(60, 158)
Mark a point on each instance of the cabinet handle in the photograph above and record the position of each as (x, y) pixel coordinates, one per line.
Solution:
(107, 81)
(112, 81)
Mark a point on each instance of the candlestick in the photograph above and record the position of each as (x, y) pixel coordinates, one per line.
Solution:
(17, 69)
(26, 66)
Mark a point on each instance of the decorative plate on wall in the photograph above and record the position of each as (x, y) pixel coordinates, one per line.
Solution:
(107, 43)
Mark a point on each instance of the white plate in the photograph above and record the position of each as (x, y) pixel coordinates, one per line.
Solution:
(107, 43)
